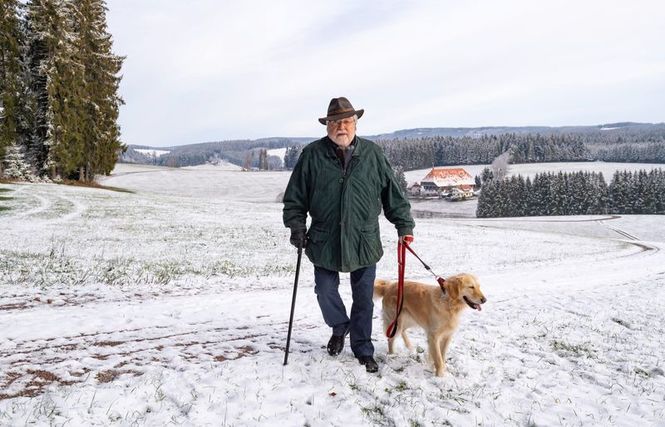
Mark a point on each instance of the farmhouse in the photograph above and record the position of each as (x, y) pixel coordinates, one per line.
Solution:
(444, 182)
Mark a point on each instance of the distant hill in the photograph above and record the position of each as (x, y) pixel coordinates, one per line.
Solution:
(234, 151)
(499, 130)
(239, 152)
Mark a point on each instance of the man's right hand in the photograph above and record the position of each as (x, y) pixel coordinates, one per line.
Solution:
(298, 238)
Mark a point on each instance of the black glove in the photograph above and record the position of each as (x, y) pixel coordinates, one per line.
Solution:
(298, 238)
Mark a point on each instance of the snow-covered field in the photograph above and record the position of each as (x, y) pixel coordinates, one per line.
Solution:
(170, 305)
(279, 152)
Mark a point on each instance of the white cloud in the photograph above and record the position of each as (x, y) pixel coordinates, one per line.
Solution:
(209, 70)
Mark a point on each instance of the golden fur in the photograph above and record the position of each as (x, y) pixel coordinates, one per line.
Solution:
(438, 313)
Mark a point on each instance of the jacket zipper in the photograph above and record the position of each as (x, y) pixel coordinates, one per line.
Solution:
(344, 212)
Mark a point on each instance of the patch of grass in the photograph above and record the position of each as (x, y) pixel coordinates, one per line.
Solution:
(165, 272)
(641, 372)
(402, 386)
(621, 322)
(282, 270)
(452, 396)
(376, 415)
(226, 268)
(575, 350)
(5, 198)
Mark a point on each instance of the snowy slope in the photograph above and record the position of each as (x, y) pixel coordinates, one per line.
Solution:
(170, 305)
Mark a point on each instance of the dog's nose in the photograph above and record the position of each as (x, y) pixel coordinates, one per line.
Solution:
(483, 300)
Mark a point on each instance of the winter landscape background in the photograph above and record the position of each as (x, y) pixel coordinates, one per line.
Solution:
(169, 304)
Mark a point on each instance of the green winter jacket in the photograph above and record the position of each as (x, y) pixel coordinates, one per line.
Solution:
(344, 232)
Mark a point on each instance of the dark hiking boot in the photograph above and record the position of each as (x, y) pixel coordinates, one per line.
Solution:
(336, 345)
(369, 362)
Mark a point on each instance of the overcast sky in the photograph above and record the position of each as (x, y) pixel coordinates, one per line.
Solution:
(210, 70)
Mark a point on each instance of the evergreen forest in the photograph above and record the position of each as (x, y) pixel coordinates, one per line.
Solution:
(59, 98)
(578, 193)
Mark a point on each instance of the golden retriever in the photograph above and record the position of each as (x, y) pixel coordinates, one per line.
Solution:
(435, 309)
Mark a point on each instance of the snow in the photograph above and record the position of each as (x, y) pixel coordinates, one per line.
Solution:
(152, 152)
(170, 305)
(279, 152)
(216, 166)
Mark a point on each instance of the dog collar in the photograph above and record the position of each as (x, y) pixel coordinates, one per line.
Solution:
(442, 284)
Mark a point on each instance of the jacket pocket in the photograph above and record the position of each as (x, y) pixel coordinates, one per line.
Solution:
(317, 240)
(370, 249)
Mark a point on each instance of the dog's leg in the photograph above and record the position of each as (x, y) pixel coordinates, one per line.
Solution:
(407, 342)
(435, 354)
(445, 342)
(386, 323)
(391, 341)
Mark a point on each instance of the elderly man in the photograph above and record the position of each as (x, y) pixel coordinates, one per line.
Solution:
(343, 181)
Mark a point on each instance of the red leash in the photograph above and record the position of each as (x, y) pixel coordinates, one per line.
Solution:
(401, 265)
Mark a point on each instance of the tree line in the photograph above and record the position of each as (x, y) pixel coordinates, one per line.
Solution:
(59, 100)
(424, 153)
(578, 193)
(244, 153)
(636, 143)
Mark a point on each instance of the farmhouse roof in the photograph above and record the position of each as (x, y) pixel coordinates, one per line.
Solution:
(447, 177)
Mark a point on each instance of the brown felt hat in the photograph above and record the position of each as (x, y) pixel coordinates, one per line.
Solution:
(340, 108)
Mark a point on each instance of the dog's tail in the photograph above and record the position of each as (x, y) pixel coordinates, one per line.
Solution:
(380, 287)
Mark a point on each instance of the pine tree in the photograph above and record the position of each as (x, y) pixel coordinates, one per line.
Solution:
(291, 156)
(93, 44)
(12, 91)
(74, 89)
(618, 193)
(534, 196)
(15, 164)
(659, 179)
(486, 175)
(53, 76)
(601, 203)
(401, 179)
(517, 196)
(486, 200)
(263, 159)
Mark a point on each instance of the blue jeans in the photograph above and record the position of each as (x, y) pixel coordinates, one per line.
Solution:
(359, 326)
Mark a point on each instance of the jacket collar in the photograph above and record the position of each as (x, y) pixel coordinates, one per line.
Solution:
(332, 146)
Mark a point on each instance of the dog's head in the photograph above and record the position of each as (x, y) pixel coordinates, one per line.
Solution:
(465, 287)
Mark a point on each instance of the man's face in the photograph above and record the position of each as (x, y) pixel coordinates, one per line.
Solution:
(342, 131)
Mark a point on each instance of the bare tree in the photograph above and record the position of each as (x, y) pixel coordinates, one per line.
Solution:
(500, 166)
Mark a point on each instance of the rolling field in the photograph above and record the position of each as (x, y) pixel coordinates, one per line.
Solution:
(170, 305)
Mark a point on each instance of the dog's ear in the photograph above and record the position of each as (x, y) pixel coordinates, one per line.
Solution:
(453, 287)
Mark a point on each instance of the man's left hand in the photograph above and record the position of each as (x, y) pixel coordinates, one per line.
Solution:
(406, 239)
